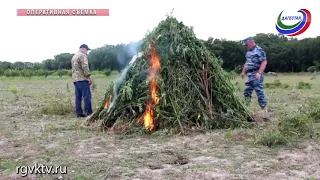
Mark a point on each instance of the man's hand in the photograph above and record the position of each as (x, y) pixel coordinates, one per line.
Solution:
(242, 74)
(258, 76)
(90, 81)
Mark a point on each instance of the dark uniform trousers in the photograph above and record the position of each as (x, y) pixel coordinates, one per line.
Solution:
(82, 90)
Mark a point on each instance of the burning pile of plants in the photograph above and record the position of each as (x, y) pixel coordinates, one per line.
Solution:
(175, 82)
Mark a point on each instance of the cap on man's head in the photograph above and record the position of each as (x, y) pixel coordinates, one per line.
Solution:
(85, 46)
(247, 40)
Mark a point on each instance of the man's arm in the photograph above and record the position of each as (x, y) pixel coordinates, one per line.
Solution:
(263, 60)
(244, 68)
(85, 65)
(262, 67)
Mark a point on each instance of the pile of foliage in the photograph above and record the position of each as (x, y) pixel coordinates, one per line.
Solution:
(193, 90)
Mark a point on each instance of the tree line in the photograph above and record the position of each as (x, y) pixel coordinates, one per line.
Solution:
(284, 55)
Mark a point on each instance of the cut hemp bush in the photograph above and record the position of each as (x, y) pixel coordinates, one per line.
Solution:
(60, 106)
(14, 91)
(276, 84)
(176, 84)
(303, 85)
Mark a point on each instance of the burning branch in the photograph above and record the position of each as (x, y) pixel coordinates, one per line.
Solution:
(154, 61)
(108, 101)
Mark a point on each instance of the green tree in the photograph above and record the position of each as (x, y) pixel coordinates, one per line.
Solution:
(283, 54)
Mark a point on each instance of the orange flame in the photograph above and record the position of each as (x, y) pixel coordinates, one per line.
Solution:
(106, 105)
(153, 90)
(148, 118)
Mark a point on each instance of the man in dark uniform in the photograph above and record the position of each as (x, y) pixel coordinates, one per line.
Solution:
(254, 68)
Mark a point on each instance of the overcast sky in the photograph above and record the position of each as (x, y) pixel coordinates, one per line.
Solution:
(34, 39)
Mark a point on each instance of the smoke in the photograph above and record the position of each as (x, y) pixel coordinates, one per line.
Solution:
(127, 52)
(126, 57)
(133, 48)
(122, 77)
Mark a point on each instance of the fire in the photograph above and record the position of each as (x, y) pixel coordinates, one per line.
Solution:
(106, 105)
(153, 90)
(148, 118)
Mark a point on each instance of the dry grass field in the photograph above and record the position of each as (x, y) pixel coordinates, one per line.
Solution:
(37, 125)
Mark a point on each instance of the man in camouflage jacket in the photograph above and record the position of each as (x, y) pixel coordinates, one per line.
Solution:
(82, 80)
(254, 68)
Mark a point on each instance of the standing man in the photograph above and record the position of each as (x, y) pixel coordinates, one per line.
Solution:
(254, 68)
(82, 80)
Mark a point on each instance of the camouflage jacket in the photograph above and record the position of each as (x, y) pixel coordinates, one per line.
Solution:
(255, 57)
(80, 67)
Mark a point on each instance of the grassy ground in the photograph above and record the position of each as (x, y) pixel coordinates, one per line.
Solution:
(32, 132)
